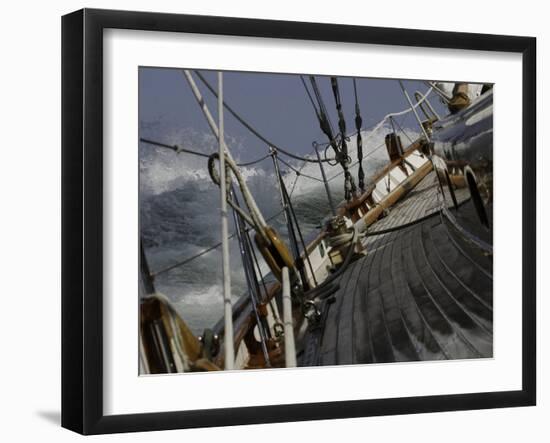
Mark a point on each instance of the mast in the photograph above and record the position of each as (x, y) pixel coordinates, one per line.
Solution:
(228, 309)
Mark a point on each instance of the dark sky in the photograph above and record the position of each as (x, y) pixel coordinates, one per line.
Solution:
(275, 104)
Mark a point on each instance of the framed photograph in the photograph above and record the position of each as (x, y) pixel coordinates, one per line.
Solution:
(269, 221)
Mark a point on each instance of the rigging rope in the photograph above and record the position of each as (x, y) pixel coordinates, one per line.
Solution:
(252, 281)
(249, 127)
(358, 124)
(341, 152)
(179, 149)
(402, 130)
(253, 162)
(372, 130)
(288, 218)
(299, 172)
(204, 251)
(349, 184)
(264, 283)
(338, 101)
(296, 179)
(324, 120)
(310, 97)
(175, 148)
(293, 222)
(356, 162)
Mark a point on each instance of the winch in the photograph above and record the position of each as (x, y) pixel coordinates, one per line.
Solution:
(340, 232)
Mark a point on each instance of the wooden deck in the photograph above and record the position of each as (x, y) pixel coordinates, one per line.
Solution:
(424, 292)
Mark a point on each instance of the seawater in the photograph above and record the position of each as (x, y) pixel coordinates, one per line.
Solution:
(180, 211)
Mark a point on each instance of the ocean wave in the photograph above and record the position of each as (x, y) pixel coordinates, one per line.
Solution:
(180, 210)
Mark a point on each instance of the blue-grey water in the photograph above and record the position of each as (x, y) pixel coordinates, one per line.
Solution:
(180, 212)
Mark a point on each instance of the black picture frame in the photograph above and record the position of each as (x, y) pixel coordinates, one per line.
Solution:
(82, 219)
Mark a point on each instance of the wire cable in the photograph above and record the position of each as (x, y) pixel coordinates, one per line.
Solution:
(204, 251)
(249, 127)
(178, 149)
(298, 172)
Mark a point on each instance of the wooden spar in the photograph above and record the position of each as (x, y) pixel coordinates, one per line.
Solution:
(347, 208)
(399, 191)
(229, 158)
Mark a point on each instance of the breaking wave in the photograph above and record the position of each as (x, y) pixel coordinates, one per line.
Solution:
(180, 207)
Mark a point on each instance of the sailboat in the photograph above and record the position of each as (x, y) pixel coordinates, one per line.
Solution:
(400, 270)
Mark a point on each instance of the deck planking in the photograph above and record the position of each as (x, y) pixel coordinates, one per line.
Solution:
(423, 292)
